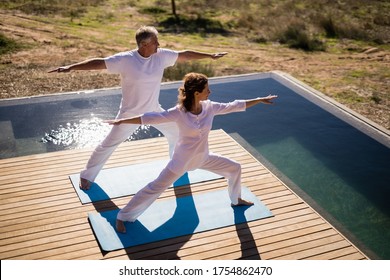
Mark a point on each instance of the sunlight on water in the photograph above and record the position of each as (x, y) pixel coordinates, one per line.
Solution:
(89, 133)
(85, 133)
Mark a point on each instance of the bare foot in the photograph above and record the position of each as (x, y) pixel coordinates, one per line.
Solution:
(120, 226)
(84, 184)
(242, 202)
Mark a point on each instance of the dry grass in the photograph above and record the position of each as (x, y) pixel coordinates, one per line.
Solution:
(353, 68)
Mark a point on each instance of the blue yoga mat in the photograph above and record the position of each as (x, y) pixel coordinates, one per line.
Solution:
(127, 180)
(171, 218)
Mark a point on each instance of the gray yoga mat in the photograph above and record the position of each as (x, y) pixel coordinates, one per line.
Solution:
(127, 180)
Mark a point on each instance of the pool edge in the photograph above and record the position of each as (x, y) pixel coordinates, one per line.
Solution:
(368, 127)
(307, 198)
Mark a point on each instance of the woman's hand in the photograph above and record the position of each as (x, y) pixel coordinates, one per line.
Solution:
(268, 99)
(113, 122)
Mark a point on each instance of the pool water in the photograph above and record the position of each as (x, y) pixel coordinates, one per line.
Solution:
(336, 163)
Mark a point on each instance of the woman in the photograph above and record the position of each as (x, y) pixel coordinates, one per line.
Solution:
(194, 116)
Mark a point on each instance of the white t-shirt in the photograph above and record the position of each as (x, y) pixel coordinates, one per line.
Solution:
(192, 149)
(140, 79)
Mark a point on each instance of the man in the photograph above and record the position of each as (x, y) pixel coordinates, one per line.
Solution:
(141, 72)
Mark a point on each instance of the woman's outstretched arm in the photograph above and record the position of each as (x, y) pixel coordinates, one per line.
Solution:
(136, 120)
(266, 100)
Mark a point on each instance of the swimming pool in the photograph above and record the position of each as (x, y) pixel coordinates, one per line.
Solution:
(335, 157)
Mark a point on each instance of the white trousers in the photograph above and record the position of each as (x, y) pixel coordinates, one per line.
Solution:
(116, 136)
(228, 168)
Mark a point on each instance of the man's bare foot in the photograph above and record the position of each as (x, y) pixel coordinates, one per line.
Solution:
(242, 202)
(84, 184)
(120, 226)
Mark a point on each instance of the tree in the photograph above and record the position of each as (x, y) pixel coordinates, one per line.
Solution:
(174, 9)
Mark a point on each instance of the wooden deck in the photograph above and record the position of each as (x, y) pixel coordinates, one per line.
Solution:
(42, 217)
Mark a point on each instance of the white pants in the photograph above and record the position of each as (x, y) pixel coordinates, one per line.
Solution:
(116, 136)
(230, 169)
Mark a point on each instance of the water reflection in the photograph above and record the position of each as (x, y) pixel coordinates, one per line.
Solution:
(88, 133)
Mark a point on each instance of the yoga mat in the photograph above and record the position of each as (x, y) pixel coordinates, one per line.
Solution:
(127, 180)
(171, 218)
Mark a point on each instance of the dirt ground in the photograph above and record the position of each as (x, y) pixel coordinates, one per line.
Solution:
(354, 75)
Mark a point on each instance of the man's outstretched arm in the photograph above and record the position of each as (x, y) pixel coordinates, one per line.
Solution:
(90, 64)
(193, 55)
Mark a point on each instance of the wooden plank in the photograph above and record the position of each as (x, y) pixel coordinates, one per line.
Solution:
(42, 217)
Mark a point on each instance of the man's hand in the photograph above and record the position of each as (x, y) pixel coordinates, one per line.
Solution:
(60, 69)
(218, 55)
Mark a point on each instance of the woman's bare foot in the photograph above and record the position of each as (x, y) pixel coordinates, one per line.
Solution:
(242, 202)
(84, 184)
(120, 226)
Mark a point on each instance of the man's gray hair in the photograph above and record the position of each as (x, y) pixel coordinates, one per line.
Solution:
(144, 34)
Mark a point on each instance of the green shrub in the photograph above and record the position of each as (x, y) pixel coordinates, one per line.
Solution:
(376, 98)
(352, 31)
(177, 72)
(8, 45)
(153, 10)
(295, 36)
(329, 27)
(343, 29)
(195, 24)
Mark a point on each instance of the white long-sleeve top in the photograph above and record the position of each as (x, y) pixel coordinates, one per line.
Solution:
(192, 148)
